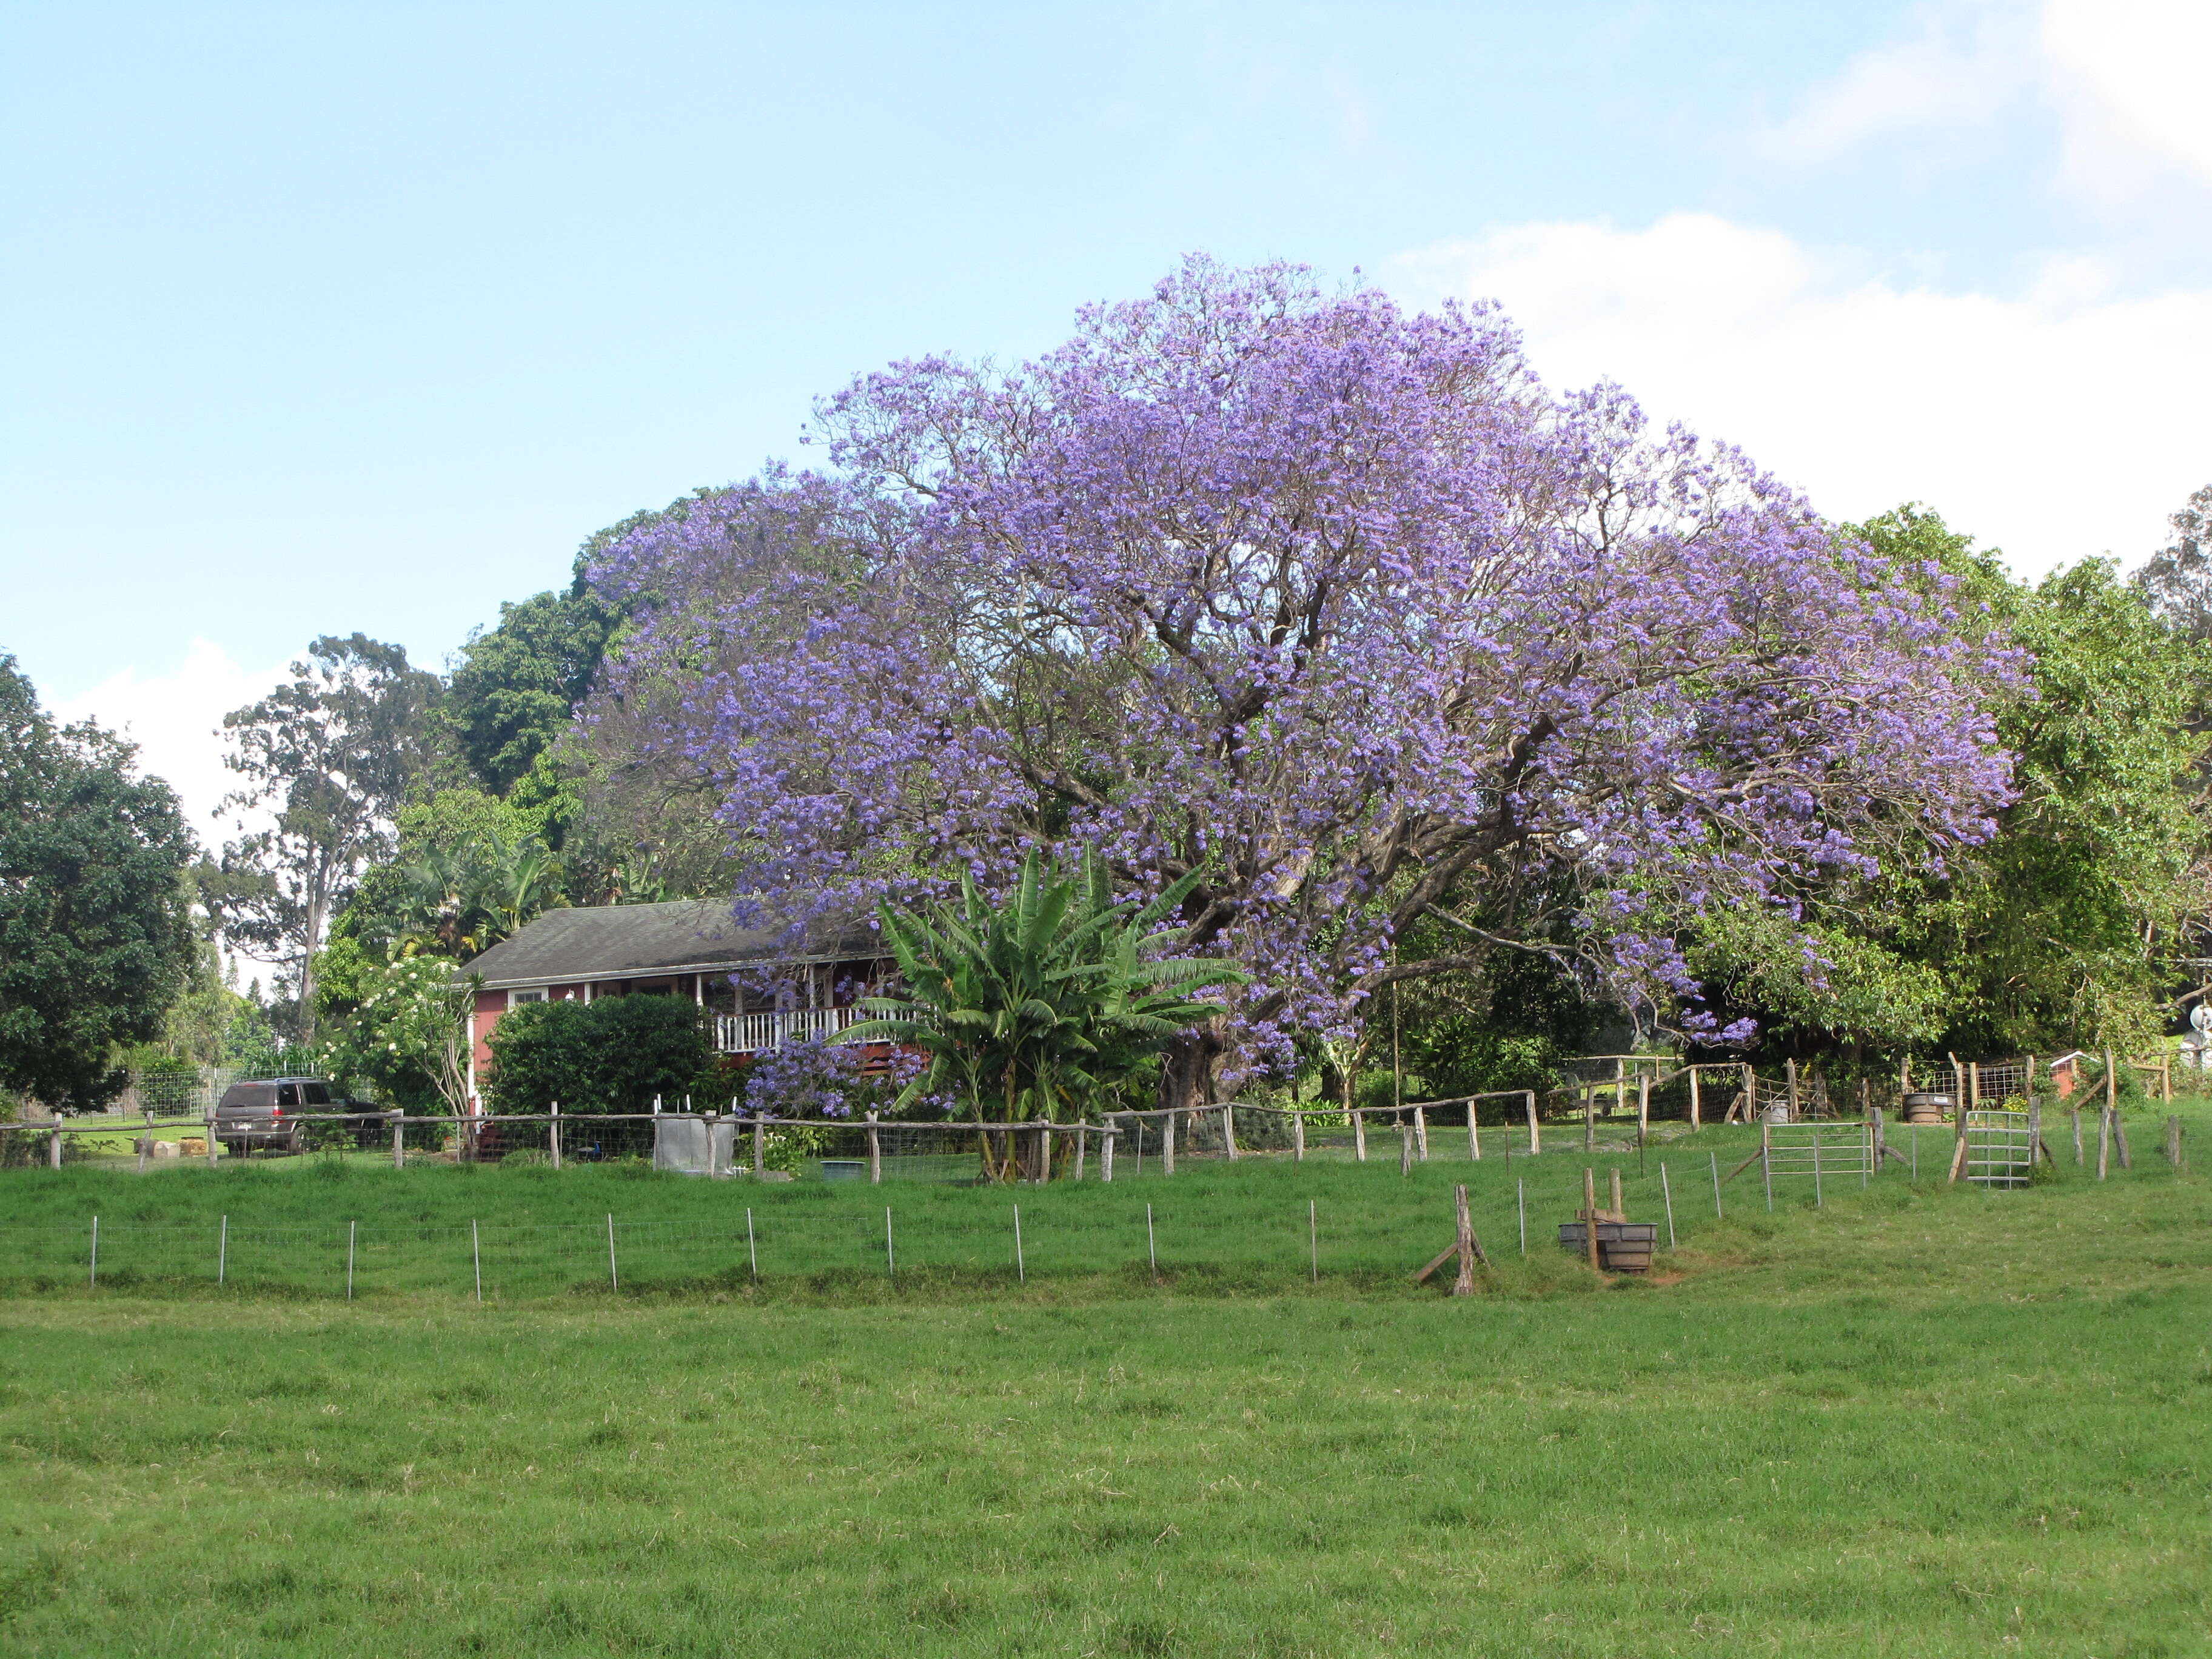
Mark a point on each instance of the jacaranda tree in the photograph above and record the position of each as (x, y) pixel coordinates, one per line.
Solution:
(1331, 601)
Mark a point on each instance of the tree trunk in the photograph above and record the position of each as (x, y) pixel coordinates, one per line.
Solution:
(1187, 1069)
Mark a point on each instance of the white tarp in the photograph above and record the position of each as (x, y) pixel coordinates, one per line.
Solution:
(693, 1145)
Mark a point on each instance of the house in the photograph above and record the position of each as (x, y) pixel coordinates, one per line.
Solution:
(762, 991)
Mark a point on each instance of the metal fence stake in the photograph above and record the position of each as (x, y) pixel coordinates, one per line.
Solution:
(351, 1228)
(614, 1279)
(475, 1253)
(1520, 1206)
(1152, 1245)
(222, 1251)
(752, 1251)
(891, 1257)
(1021, 1270)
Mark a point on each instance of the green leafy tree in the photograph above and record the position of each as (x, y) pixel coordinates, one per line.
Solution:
(332, 755)
(1037, 1008)
(611, 1054)
(95, 931)
(251, 1045)
(404, 1038)
(519, 684)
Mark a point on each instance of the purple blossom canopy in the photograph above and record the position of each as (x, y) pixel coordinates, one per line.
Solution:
(1333, 599)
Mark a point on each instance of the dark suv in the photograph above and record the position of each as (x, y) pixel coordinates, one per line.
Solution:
(260, 1113)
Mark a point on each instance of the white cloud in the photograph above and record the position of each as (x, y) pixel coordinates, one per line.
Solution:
(2065, 424)
(2128, 78)
(1966, 65)
(2121, 78)
(176, 720)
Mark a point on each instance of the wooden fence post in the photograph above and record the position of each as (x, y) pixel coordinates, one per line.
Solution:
(1535, 1134)
(1464, 1285)
(1589, 1216)
(1750, 1094)
(1421, 1132)
(2074, 1112)
(760, 1147)
(1298, 1136)
(2120, 1138)
(1790, 1069)
(1405, 1149)
(2104, 1143)
(875, 1154)
(1642, 1105)
(1082, 1140)
(1167, 1147)
(1474, 1136)
(1358, 1136)
(553, 1134)
(1229, 1130)
(1697, 1117)
(211, 1148)
(1106, 1140)
(1590, 1119)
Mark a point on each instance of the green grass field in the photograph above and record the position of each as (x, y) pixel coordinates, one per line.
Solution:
(1917, 1420)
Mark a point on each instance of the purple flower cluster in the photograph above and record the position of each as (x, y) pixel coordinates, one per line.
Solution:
(1332, 600)
(831, 1080)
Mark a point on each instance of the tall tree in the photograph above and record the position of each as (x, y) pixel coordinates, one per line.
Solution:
(2177, 579)
(518, 684)
(329, 756)
(95, 931)
(1338, 605)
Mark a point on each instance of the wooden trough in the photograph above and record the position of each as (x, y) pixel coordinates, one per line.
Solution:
(1929, 1106)
(1623, 1247)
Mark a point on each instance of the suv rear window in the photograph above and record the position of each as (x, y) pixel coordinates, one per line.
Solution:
(317, 1094)
(287, 1094)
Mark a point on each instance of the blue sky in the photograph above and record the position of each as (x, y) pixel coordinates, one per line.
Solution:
(322, 318)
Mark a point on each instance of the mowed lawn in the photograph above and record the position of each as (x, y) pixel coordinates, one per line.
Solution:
(1916, 1421)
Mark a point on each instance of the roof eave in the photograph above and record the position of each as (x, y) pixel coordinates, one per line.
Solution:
(511, 982)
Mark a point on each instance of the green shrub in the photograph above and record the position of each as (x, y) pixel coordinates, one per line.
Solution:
(614, 1054)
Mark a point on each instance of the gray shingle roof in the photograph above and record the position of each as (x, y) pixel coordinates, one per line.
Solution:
(621, 941)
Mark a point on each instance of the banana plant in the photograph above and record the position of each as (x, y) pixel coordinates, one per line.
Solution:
(1033, 1008)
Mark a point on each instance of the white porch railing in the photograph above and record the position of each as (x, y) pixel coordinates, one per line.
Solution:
(749, 1034)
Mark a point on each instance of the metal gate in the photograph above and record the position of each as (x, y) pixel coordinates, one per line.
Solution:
(1824, 1152)
(2000, 1149)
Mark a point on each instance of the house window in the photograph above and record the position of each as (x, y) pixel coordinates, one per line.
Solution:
(535, 993)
